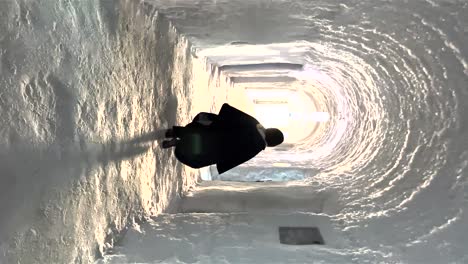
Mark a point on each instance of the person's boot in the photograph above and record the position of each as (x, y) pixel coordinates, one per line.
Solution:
(169, 143)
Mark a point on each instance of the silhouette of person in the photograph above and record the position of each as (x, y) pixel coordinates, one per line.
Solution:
(228, 139)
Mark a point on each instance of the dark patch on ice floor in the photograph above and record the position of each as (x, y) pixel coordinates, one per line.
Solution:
(107, 11)
(65, 104)
(262, 66)
(116, 152)
(29, 171)
(239, 43)
(262, 79)
(300, 236)
(6, 62)
(170, 110)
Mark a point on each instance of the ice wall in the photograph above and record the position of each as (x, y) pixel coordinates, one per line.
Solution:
(82, 83)
(79, 79)
(394, 77)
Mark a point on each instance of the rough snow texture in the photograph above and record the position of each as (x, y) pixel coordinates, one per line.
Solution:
(77, 76)
(225, 197)
(81, 82)
(393, 77)
(226, 238)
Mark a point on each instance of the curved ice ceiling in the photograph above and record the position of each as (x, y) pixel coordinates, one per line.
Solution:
(393, 77)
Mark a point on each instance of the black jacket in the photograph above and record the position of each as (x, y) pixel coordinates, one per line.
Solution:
(230, 140)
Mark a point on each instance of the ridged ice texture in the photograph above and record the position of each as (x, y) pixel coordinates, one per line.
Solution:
(392, 73)
(80, 82)
(394, 76)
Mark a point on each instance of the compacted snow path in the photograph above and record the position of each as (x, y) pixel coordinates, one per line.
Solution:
(82, 83)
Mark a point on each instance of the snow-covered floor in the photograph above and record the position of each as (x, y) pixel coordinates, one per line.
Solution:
(82, 83)
(226, 238)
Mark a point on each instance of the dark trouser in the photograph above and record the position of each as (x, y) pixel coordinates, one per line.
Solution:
(197, 145)
(189, 129)
(180, 132)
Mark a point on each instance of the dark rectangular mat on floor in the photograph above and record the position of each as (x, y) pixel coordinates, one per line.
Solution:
(300, 236)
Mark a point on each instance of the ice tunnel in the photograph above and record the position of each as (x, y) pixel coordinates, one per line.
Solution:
(371, 96)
